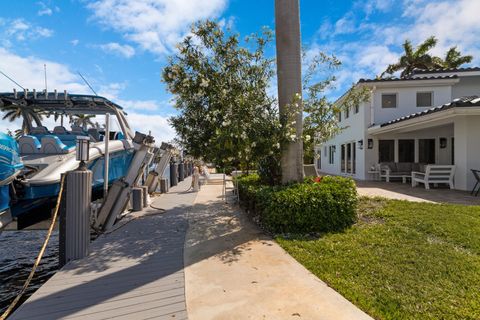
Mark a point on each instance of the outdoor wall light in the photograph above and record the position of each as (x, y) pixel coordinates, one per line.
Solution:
(370, 143)
(82, 151)
(360, 144)
(443, 143)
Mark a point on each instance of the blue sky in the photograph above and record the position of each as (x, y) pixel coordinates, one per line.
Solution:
(120, 46)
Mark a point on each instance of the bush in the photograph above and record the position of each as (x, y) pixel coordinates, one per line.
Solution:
(316, 205)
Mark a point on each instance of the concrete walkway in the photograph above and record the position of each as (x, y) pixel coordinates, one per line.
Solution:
(234, 271)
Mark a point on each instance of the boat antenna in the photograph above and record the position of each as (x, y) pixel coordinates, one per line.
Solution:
(45, 72)
(88, 84)
(11, 79)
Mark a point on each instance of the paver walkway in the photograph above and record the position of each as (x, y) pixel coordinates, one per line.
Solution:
(404, 191)
(135, 272)
(234, 271)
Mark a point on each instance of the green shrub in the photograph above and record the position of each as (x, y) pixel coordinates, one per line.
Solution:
(324, 205)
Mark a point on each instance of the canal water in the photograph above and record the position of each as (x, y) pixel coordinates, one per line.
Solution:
(18, 251)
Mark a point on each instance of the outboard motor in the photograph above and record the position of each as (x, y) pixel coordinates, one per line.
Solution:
(10, 166)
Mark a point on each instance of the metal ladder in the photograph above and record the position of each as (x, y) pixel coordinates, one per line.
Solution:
(234, 189)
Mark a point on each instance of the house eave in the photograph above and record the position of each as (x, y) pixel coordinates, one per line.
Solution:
(426, 120)
(410, 83)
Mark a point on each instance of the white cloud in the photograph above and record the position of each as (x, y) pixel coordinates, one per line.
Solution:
(452, 22)
(75, 42)
(139, 105)
(346, 24)
(155, 25)
(371, 46)
(28, 71)
(21, 30)
(125, 50)
(157, 124)
(45, 10)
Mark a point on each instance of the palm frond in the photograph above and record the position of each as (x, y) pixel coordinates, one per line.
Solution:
(425, 46)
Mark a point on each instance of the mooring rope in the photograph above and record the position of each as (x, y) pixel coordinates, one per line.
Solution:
(39, 257)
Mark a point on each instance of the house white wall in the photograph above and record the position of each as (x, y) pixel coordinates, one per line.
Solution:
(468, 86)
(467, 150)
(466, 130)
(407, 101)
(353, 130)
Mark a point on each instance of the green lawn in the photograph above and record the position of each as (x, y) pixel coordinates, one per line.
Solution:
(402, 260)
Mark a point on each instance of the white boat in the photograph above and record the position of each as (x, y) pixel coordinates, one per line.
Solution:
(46, 153)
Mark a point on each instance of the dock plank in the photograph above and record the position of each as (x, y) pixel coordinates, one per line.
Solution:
(134, 272)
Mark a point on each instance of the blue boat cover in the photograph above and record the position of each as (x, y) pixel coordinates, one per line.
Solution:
(10, 161)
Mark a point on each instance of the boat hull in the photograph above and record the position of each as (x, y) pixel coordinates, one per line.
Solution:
(34, 195)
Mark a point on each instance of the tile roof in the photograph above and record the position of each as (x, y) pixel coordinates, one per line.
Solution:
(471, 101)
(419, 71)
(408, 79)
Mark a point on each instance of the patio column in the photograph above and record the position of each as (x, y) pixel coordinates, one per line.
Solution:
(467, 151)
(416, 151)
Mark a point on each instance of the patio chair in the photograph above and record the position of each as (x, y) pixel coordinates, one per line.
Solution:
(434, 174)
(476, 174)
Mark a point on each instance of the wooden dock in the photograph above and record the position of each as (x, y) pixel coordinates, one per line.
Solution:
(134, 272)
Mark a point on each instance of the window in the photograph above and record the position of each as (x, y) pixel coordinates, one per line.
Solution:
(426, 151)
(339, 116)
(386, 150)
(424, 99)
(357, 108)
(331, 154)
(325, 151)
(406, 150)
(347, 113)
(342, 158)
(389, 100)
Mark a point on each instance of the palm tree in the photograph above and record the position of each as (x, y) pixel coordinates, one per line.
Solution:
(417, 58)
(83, 120)
(289, 75)
(13, 112)
(454, 59)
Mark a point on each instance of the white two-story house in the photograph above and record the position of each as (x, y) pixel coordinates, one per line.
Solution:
(431, 118)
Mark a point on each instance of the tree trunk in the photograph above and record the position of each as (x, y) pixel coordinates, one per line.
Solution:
(289, 75)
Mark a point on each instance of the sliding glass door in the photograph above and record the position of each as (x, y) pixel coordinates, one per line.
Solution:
(348, 158)
(426, 151)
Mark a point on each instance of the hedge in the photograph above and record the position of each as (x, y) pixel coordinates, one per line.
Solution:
(316, 205)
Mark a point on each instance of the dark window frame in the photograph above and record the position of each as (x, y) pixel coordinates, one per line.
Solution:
(389, 94)
(356, 109)
(423, 92)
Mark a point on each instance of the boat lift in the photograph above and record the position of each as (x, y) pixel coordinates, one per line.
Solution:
(119, 194)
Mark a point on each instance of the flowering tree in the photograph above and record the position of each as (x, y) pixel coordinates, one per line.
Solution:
(220, 87)
(320, 122)
(226, 114)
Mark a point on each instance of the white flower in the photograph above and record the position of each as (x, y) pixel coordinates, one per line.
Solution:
(204, 83)
(277, 145)
(254, 144)
(293, 137)
(307, 137)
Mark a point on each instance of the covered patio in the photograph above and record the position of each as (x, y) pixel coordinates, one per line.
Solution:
(444, 135)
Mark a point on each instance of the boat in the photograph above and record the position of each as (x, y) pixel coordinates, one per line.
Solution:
(46, 153)
(10, 168)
